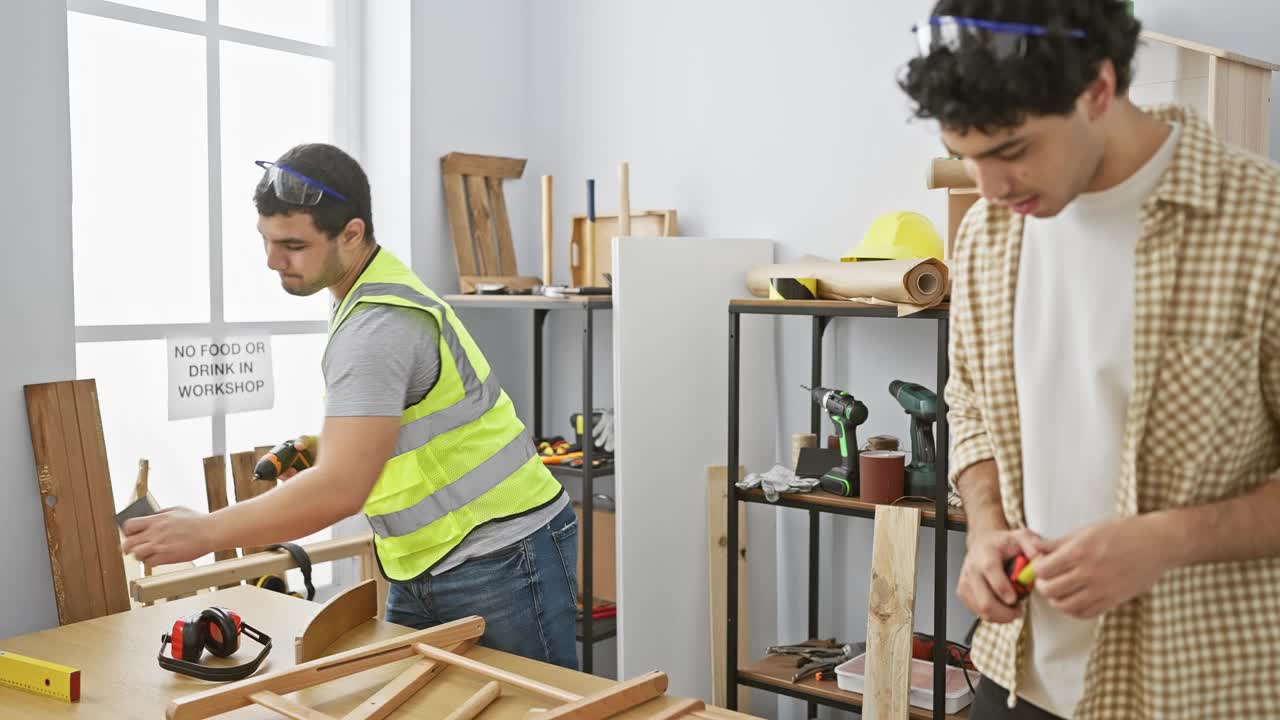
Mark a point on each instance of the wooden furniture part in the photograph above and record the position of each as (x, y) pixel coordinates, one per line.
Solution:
(179, 582)
(477, 703)
(1231, 91)
(116, 656)
(962, 193)
(246, 488)
(718, 557)
(890, 610)
(478, 221)
(75, 495)
(343, 613)
(650, 223)
(215, 491)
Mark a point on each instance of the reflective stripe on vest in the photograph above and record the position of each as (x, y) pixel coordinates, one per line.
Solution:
(478, 398)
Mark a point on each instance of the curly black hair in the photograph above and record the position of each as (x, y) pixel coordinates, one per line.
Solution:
(333, 167)
(971, 88)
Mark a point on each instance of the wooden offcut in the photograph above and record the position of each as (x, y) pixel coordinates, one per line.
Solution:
(76, 498)
(889, 613)
(717, 564)
(479, 225)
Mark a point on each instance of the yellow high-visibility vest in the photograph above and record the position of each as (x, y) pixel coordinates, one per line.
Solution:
(463, 457)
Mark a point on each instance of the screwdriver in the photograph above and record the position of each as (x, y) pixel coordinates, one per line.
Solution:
(282, 457)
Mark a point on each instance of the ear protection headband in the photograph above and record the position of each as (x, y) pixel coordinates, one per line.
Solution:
(277, 583)
(218, 630)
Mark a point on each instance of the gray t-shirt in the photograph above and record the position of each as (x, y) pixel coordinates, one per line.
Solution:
(384, 359)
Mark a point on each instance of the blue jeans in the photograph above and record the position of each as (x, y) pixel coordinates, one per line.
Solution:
(526, 592)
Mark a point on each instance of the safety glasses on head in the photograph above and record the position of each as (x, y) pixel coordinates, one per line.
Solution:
(295, 188)
(1003, 39)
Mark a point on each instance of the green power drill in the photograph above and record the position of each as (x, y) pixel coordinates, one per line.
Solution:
(922, 405)
(847, 413)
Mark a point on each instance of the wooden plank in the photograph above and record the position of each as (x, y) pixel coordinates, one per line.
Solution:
(482, 225)
(502, 226)
(1255, 104)
(493, 673)
(78, 488)
(477, 703)
(455, 196)
(242, 464)
(889, 613)
(457, 163)
(680, 709)
(106, 536)
(174, 584)
(1208, 49)
(215, 492)
(66, 561)
(289, 708)
(234, 696)
(619, 698)
(344, 611)
(717, 563)
(402, 687)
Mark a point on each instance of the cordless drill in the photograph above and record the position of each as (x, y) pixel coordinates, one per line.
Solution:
(847, 414)
(282, 457)
(922, 405)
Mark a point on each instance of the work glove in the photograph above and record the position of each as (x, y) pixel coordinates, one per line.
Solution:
(778, 481)
(602, 431)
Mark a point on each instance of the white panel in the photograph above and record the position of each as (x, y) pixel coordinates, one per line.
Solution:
(671, 320)
(306, 20)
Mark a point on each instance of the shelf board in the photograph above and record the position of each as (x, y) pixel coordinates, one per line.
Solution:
(531, 302)
(824, 501)
(605, 470)
(774, 673)
(830, 308)
(602, 629)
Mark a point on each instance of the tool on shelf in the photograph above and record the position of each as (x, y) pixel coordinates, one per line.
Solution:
(817, 657)
(922, 405)
(847, 413)
(288, 454)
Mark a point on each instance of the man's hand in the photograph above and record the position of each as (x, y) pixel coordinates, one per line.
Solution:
(1097, 568)
(983, 586)
(309, 444)
(170, 536)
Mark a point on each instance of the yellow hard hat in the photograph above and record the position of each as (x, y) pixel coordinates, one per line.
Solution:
(898, 235)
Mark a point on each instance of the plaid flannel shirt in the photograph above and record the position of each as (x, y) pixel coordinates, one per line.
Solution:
(1202, 425)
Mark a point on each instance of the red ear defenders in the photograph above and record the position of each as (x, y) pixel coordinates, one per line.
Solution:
(218, 630)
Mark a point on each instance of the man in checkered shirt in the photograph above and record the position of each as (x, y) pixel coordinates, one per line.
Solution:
(1115, 373)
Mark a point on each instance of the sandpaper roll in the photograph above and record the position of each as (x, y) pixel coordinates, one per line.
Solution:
(791, 288)
(883, 475)
(917, 283)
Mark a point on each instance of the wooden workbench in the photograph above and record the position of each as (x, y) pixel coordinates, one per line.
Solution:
(121, 680)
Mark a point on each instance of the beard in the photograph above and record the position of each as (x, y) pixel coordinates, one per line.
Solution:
(331, 272)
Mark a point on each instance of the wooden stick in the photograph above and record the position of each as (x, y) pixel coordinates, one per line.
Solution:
(546, 230)
(404, 686)
(624, 200)
(140, 485)
(494, 673)
(180, 582)
(618, 698)
(589, 238)
(477, 703)
(286, 707)
(680, 709)
(316, 672)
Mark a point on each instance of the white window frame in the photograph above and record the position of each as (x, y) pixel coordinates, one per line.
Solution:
(346, 56)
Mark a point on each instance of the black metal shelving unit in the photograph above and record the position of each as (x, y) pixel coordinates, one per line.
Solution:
(590, 631)
(774, 674)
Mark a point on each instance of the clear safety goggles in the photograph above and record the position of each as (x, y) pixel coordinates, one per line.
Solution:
(295, 188)
(1003, 39)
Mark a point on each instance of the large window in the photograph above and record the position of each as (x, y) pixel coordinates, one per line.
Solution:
(171, 102)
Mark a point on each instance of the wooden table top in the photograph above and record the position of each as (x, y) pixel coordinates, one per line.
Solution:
(120, 679)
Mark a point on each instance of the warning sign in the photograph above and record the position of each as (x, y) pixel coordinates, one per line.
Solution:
(211, 375)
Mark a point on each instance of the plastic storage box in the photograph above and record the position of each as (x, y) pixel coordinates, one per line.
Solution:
(851, 676)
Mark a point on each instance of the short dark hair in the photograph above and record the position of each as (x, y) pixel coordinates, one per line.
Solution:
(970, 88)
(333, 167)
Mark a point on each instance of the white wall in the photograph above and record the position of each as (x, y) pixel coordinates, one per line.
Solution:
(35, 200)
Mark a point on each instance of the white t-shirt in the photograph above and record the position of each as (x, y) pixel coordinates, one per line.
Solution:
(1073, 364)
